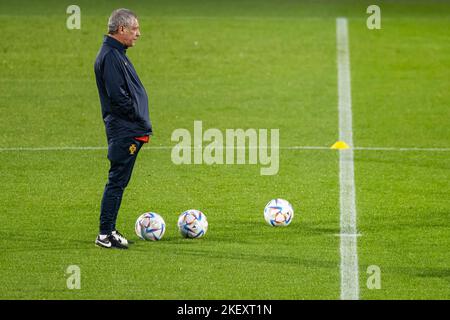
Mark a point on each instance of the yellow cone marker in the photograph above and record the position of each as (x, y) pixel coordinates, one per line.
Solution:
(340, 145)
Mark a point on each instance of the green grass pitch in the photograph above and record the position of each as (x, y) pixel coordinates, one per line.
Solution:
(231, 64)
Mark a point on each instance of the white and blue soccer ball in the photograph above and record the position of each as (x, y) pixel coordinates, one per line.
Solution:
(278, 213)
(192, 224)
(150, 226)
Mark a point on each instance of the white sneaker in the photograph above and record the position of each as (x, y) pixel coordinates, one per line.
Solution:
(103, 242)
(119, 237)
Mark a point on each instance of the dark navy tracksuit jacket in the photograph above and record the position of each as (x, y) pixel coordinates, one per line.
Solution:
(122, 95)
(125, 114)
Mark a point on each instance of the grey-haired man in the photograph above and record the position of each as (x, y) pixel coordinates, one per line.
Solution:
(125, 114)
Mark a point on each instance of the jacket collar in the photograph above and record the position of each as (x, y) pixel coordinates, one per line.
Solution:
(110, 41)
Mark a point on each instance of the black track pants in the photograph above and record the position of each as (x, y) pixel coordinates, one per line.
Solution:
(122, 155)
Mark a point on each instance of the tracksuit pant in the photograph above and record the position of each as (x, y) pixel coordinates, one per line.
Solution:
(122, 155)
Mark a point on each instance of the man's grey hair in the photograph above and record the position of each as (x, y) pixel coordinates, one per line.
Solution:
(120, 17)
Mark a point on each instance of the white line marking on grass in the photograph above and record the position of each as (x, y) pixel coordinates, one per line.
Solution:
(37, 149)
(401, 149)
(348, 244)
(348, 235)
(74, 148)
(150, 148)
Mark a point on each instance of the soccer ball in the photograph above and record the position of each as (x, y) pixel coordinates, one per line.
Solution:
(150, 226)
(192, 224)
(278, 213)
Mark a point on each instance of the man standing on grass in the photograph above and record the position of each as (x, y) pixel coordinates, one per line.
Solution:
(125, 114)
